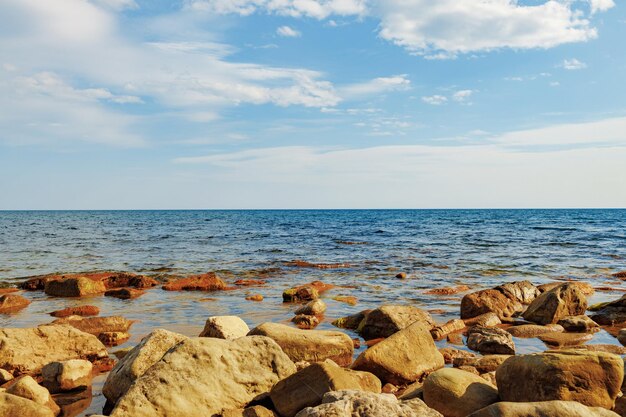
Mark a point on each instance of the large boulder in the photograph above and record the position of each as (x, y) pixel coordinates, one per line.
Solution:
(28, 350)
(204, 376)
(505, 300)
(15, 406)
(542, 409)
(74, 287)
(204, 282)
(387, 320)
(225, 327)
(12, 303)
(367, 404)
(309, 345)
(148, 352)
(591, 378)
(561, 301)
(67, 375)
(456, 393)
(403, 358)
(306, 387)
(26, 387)
(490, 340)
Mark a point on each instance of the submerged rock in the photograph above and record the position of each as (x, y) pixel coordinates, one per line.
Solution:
(490, 340)
(387, 320)
(225, 327)
(560, 302)
(83, 311)
(565, 339)
(204, 282)
(74, 287)
(542, 409)
(12, 303)
(124, 293)
(533, 330)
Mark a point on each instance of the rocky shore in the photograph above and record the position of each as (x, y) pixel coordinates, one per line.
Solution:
(397, 366)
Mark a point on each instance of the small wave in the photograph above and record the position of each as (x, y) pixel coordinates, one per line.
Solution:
(555, 228)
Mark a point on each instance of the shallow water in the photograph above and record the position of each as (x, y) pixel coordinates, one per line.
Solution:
(479, 248)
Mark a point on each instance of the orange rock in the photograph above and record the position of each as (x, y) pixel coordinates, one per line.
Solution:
(372, 342)
(124, 293)
(348, 299)
(8, 290)
(11, 303)
(249, 282)
(110, 279)
(255, 297)
(77, 311)
(448, 290)
(621, 275)
(204, 282)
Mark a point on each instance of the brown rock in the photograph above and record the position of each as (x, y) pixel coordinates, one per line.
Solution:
(74, 287)
(303, 321)
(483, 364)
(306, 388)
(448, 290)
(612, 313)
(439, 332)
(578, 324)
(124, 293)
(487, 320)
(249, 282)
(561, 301)
(404, 357)
(305, 264)
(255, 297)
(67, 375)
(455, 338)
(348, 299)
(621, 275)
(76, 311)
(401, 275)
(12, 303)
(523, 291)
(489, 301)
(449, 354)
(27, 387)
(565, 339)
(113, 338)
(387, 320)
(97, 325)
(490, 340)
(15, 406)
(533, 330)
(351, 322)
(225, 327)
(584, 287)
(204, 282)
(312, 308)
(542, 409)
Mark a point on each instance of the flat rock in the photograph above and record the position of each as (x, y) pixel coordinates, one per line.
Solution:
(203, 282)
(74, 287)
(562, 301)
(591, 378)
(309, 345)
(387, 320)
(27, 350)
(403, 358)
(67, 375)
(225, 327)
(565, 339)
(306, 387)
(582, 324)
(542, 409)
(83, 311)
(533, 330)
(204, 376)
(367, 404)
(490, 340)
(456, 393)
(97, 325)
(12, 303)
(15, 406)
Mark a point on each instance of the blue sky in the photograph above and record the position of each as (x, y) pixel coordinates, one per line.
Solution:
(115, 104)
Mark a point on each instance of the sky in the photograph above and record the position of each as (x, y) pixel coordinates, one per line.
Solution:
(201, 104)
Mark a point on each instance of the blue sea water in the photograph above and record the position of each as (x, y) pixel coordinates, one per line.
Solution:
(436, 248)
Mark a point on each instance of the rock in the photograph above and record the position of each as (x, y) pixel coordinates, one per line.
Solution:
(448, 290)
(309, 345)
(449, 354)
(621, 336)
(565, 339)
(306, 388)
(97, 325)
(300, 294)
(15, 406)
(561, 301)
(225, 327)
(255, 411)
(484, 364)
(367, 404)
(113, 338)
(387, 320)
(249, 282)
(74, 287)
(67, 375)
(348, 299)
(5, 376)
(121, 353)
(582, 324)
(351, 322)
(591, 378)
(148, 352)
(302, 321)
(620, 274)
(505, 300)
(490, 340)
(404, 357)
(255, 297)
(523, 291)
(584, 287)
(439, 332)
(312, 308)
(305, 264)
(124, 293)
(620, 406)
(603, 347)
(12, 303)
(401, 275)
(204, 282)
(487, 320)
(389, 388)
(26, 387)
(204, 376)
(76, 311)
(455, 338)
(28, 350)
(533, 330)
(611, 313)
(126, 279)
(542, 409)
(456, 393)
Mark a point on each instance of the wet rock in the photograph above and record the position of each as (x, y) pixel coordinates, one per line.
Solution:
(611, 313)
(205, 376)
(225, 327)
(523, 291)
(249, 282)
(450, 354)
(387, 320)
(28, 350)
(124, 293)
(584, 287)
(303, 321)
(456, 393)
(74, 287)
(565, 339)
(560, 302)
(127, 279)
(113, 338)
(621, 336)
(591, 378)
(15, 406)
(204, 282)
(304, 264)
(255, 297)
(83, 311)
(490, 340)
(67, 375)
(455, 338)
(401, 275)
(448, 290)
(351, 322)
(301, 293)
(621, 275)
(73, 403)
(348, 299)
(483, 364)
(26, 387)
(505, 300)
(486, 320)
(306, 388)
(309, 345)
(149, 351)
(367, 404)
(533, 330)
(404, 357)
(542, 409)
(580, 323)
(12, 303)
(439, 332)
(97, 325)
(312, 308)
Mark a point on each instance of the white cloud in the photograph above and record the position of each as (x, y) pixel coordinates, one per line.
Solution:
(555, 84)
(462, 96)
(319, 9)
(378, 85)
(573, 64)
(288, 32)
(118, 4)
(435, 100)
(601, 5)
